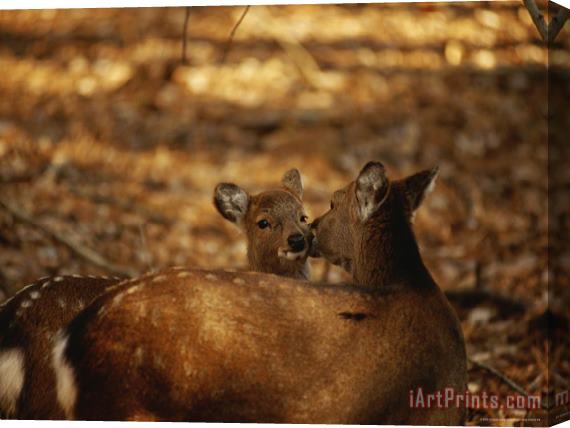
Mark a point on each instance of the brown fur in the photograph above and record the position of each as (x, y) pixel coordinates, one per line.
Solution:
(31, 329)
(249, 347)
(283, 209)
(347, 238)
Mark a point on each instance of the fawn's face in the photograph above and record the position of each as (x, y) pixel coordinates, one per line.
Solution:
(369, 200)
(274, 222)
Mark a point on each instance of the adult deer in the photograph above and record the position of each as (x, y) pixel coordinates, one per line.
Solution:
(28, 323)
(196, 345)
(278, 238)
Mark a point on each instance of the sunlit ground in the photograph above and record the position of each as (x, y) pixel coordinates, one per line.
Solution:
(107, 138)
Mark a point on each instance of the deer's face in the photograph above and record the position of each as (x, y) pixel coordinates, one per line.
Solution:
(276, 226)
(333, 230)
(368, 201)
(274, 222)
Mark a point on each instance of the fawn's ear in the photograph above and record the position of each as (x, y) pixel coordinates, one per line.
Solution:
(292, 181)
(371, 187)
(231, 201)
(418, 186)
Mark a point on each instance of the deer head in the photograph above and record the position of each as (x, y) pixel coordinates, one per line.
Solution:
(368, 230)
(274, 223)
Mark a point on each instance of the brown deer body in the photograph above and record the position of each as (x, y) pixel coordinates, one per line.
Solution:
(30, 320)
(28, 323)
(196, 345)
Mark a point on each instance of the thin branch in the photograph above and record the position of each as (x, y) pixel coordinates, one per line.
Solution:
(232, 34)
(185, 35)
(537, 18)
(557, 23)
(548, 32)
(86, 253)
(126, 204)
(500, 375)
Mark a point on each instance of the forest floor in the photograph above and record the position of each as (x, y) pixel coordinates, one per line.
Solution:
(109, 140)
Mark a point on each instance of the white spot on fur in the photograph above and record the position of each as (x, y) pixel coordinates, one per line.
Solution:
(184, 275)
(26, 304)
(159, 278)
(11, 379)
(239, 281)
(65, 379)
(5, 302)
(211, 277)
(76, 276)
(117, 299)
(46, 284)
(34, 295)
(134, 288)
(61, 303)
(58, 279)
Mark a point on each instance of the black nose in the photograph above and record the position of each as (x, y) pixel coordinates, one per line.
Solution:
(296, 242)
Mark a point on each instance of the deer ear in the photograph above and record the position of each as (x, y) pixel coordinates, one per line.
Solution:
(418, 186)
(370, 189)
(292, 181)
(231, 201)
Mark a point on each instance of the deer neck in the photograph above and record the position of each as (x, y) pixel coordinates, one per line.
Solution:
(277, 266)
(387, 253)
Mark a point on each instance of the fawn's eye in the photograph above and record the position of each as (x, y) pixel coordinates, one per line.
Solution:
(304, 219)
(262, 224)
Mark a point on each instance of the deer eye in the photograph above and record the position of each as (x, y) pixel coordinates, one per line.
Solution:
(262, 224)
(304, 219)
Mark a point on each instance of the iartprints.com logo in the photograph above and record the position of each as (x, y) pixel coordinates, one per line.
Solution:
(450, 398)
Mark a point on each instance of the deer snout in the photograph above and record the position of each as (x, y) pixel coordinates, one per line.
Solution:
(296, 242)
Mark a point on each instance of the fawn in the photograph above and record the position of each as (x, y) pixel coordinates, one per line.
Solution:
(274, 223)
(197, 345)
(277, 241)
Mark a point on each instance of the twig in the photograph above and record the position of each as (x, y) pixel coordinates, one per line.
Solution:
(84, 252)
(232, 34)
(537, 18)
(127, 204)
(185, 35)
(500, 375)
(548, 32)
(557, 23)
(470, 297)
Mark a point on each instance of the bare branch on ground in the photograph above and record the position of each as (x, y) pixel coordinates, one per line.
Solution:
(499, 375)
(85, 253)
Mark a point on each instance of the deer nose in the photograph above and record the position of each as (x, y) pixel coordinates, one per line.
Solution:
(296, 242)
